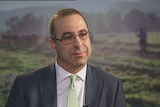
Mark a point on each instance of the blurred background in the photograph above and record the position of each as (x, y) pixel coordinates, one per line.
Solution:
(117, 42)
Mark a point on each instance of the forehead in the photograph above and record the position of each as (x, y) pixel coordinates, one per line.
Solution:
(71, 23)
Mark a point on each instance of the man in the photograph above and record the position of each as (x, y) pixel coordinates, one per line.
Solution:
(142, 40)
(49, 86)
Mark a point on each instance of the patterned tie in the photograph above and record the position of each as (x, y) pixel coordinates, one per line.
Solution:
(72, 94)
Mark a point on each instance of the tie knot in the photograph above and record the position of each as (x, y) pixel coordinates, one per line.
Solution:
(73, 78)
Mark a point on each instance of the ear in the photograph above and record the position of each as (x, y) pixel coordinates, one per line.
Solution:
(52, 43)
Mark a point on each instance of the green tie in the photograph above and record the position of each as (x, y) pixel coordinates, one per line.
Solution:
(72, 94)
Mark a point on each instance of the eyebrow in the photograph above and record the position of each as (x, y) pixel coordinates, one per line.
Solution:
(73, 32)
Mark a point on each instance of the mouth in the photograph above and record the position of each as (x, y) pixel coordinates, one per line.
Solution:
(79, 54)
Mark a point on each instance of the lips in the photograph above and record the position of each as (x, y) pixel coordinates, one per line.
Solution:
(79, 54)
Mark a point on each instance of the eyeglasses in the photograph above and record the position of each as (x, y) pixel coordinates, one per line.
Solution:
(69, 37)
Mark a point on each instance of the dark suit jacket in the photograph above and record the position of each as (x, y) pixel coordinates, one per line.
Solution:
(38, 89)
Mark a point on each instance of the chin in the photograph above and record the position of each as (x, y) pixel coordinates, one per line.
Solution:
(80, 64)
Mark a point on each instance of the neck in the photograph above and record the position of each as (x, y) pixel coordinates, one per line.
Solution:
(70, 68)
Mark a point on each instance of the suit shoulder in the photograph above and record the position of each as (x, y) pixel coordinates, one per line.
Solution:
(34, 75)
(105, 75)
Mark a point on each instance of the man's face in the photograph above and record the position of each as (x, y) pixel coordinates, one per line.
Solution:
(75, 55)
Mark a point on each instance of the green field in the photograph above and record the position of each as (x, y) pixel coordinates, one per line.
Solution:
(118, 54)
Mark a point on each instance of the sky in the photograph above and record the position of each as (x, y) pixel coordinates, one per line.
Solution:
(95, 4)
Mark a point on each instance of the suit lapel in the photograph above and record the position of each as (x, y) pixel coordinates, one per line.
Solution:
(93, 87)
(48, 88)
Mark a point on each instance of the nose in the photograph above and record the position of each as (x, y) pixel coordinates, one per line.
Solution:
(77, 41)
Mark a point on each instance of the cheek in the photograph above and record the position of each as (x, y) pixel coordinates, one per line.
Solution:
(63, 51)
(89, 44)
(90, 48)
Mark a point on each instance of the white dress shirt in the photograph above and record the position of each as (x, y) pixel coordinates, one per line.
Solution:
(63, 82)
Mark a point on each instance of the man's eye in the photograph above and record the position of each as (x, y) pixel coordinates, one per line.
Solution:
(83, 34)
(68, 37)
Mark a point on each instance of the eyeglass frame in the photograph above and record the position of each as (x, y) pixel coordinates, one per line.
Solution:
(74, 36)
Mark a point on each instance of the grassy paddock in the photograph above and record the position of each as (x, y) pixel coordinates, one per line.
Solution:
(118, 54)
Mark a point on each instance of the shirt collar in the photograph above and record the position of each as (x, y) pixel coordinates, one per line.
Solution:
(62, 73)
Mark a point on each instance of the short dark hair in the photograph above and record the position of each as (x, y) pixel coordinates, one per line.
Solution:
(60, 14)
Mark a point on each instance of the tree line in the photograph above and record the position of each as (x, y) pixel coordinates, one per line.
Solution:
(111, 21)
(114, 21)
(26, 25)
